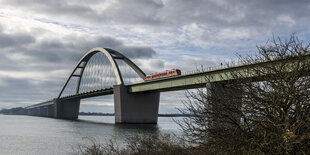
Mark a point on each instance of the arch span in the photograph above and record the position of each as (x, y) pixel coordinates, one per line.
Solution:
(111, 55)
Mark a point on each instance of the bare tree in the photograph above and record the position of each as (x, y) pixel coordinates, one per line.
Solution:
(267, 113)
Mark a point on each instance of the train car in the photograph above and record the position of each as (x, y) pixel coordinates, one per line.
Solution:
(167, 73)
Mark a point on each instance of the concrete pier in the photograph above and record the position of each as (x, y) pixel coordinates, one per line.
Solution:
(50, 111)
(135, 108)
(66, 109)
(226, 98)
(37, 111)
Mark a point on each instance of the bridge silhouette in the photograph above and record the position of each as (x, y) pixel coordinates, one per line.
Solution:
(101, 72)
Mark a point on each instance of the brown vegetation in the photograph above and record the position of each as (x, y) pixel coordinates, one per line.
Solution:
(164, 144)
(250, 116)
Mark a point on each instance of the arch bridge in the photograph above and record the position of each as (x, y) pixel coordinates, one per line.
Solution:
(103, 71)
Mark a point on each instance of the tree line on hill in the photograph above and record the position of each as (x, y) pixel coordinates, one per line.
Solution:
(13, 111)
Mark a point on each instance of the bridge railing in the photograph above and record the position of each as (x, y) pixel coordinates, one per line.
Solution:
(227, 65)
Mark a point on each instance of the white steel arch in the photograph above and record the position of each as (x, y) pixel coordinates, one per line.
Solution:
(111, 55)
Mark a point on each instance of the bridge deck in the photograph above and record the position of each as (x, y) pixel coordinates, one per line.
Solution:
(188, 81)
(47, 103)
(101, 92)
(199, 79)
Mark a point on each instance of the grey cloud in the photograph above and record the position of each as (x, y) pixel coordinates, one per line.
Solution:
(24, 90)
(133, 11)
(226, 13)
(157, 64)
(136, 52)
(236, 12)
(108, 42)
(16, 39)
(191, 64)
(53, 7)
(63, 51)
(57, 50)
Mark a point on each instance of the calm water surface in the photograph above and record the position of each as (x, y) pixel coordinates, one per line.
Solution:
(39, 135)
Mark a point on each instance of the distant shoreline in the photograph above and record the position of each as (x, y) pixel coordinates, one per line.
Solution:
(17, 111)
(112, 114)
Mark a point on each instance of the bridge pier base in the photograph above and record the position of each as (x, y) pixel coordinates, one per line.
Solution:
(135, 108)
(50, 111)
(30, 112)
(66, 109)
(230, 97)
(36, 112)
(43, 111)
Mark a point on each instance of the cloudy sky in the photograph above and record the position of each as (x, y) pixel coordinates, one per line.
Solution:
(40, 41)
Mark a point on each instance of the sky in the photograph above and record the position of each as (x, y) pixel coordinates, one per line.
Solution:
(41, 41)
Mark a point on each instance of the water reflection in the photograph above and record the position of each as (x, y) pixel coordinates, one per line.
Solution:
(104, 125)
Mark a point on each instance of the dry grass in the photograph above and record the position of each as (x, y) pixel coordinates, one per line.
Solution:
(165, 144)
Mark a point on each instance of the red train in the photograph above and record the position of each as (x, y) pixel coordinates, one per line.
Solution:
(167, 73)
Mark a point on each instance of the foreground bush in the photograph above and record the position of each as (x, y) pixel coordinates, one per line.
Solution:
(95, 148)
(269, 115)
(146, 145)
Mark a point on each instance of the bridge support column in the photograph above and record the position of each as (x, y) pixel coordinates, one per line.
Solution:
(135, 108)
(66, 109)
(225, 95)
(29, 112)
(32, 112)
(36, 112)
(43, 111)
(50, 111)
